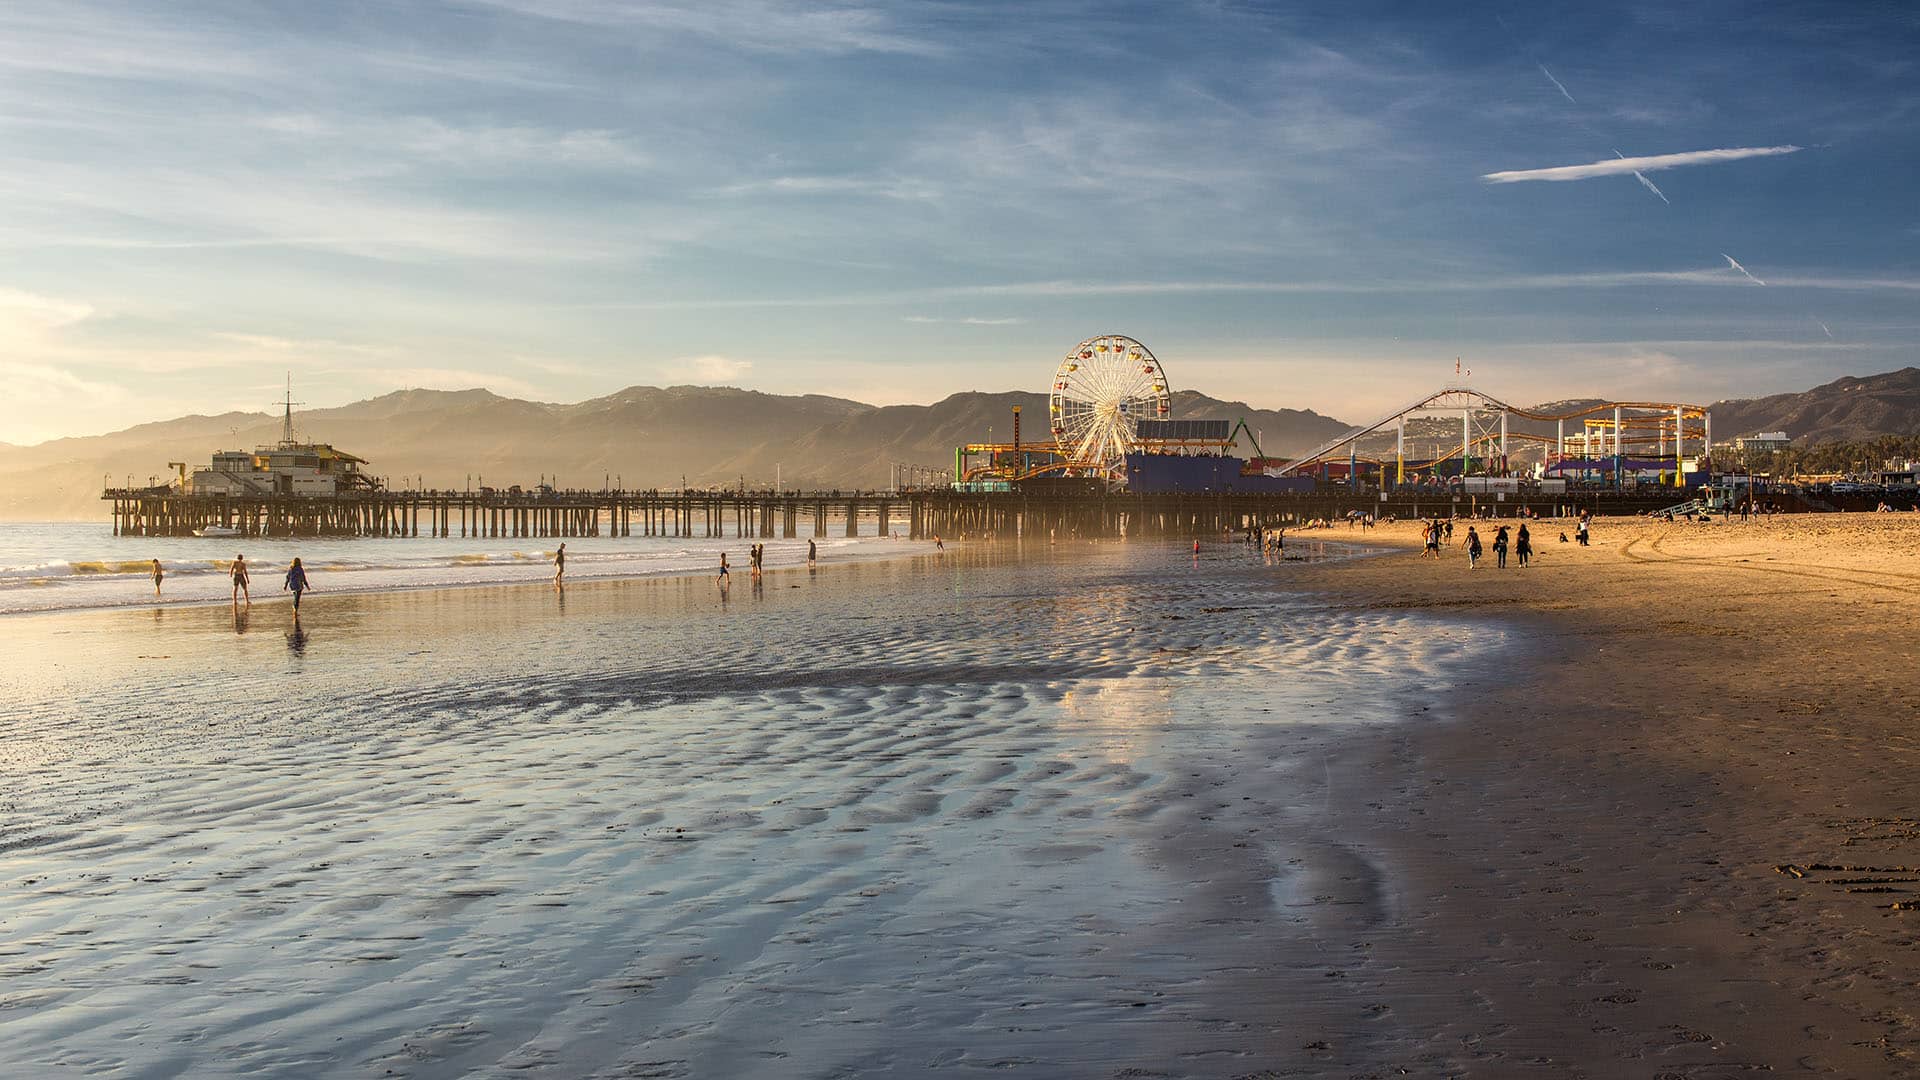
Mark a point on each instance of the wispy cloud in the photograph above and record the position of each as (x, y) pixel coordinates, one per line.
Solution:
(1066, 288)
(1625, 165)
(971, 320)
(760, 25)
(883, 187)
(26, 311)
(712, 369)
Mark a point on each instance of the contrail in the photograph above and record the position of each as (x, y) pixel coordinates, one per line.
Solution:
(1823, 328)
(1735, 264)
(1622, 166)
(1644, 182)
(1555, 82)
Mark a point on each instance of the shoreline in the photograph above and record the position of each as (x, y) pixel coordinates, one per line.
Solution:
(275, 570)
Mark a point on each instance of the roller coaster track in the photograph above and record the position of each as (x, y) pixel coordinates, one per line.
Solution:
(1466, 397)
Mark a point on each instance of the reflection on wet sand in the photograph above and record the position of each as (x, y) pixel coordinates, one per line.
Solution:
(1024, 814)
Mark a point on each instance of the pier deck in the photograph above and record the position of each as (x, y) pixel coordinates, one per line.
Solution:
(767, 514)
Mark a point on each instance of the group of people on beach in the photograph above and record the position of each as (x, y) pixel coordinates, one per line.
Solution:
(1439, 531)
(757, 561)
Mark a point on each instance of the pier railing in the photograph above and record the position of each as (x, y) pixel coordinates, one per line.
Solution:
(767, 514)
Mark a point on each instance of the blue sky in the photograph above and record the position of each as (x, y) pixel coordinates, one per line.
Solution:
(1290, 204)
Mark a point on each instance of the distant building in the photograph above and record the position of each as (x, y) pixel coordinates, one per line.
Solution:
(1765, 442)
(290, 468)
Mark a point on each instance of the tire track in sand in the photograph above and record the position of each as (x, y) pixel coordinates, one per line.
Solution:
(1861, 579)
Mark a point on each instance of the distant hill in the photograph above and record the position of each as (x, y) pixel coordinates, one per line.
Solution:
(646, 436)
(1844, 409)
(652, 436)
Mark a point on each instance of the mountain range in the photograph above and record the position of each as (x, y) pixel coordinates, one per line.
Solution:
(642, 436)
(661, 437)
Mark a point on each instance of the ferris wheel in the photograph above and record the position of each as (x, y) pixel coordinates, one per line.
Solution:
(1104, 388)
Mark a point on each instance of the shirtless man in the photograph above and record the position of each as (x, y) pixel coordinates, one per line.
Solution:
(239, 571)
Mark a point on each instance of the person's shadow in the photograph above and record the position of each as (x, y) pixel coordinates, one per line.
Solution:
(241, 616)
(297, 639)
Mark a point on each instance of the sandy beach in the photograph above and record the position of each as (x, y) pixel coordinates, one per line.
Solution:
(1100, 810)
(1672, 836)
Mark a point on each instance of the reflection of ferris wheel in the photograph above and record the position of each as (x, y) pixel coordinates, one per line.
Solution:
(1104, 388)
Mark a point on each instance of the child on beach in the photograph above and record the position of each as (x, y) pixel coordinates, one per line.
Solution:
(1523, 546)
(724, 576)
(297, 581)
(157, 575)
(239, 572)
(1473, 548)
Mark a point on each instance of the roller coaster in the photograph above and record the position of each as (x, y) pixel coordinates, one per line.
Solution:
(1614, 438)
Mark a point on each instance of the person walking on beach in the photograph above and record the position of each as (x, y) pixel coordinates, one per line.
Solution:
(157, 575)
(1500, 548)
(1430, 535)
(1473, 548)
(724, 576)
(1580, 531)
(239, 573)
(754, 556)
(1447, 531)
(1523, 546)
(297, 581)
(559, 566)
(812, 552)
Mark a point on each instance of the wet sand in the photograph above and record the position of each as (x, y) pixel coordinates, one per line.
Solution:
(1061, 815)
(1107, 811)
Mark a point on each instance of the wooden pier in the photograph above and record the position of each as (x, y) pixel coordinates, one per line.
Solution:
(766, 514)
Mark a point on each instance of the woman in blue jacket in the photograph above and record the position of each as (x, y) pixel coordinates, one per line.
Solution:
(297, 581)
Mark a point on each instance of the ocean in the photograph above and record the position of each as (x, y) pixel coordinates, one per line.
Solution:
(81, 565)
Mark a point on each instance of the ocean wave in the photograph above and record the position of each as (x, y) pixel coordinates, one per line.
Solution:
(40, 583)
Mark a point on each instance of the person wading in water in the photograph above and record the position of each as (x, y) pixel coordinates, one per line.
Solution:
(239, 572)
(297, 581)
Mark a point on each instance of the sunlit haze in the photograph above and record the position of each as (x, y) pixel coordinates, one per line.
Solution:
(1307, 206)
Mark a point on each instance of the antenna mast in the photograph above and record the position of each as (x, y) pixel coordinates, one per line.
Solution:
(286, 423)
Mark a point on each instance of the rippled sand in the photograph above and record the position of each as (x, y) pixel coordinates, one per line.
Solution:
(1042, 816)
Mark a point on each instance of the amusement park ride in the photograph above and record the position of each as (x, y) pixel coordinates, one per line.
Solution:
(1109, 413)
(1101, 392)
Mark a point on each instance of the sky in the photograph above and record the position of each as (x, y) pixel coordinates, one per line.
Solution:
(1297, 205)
